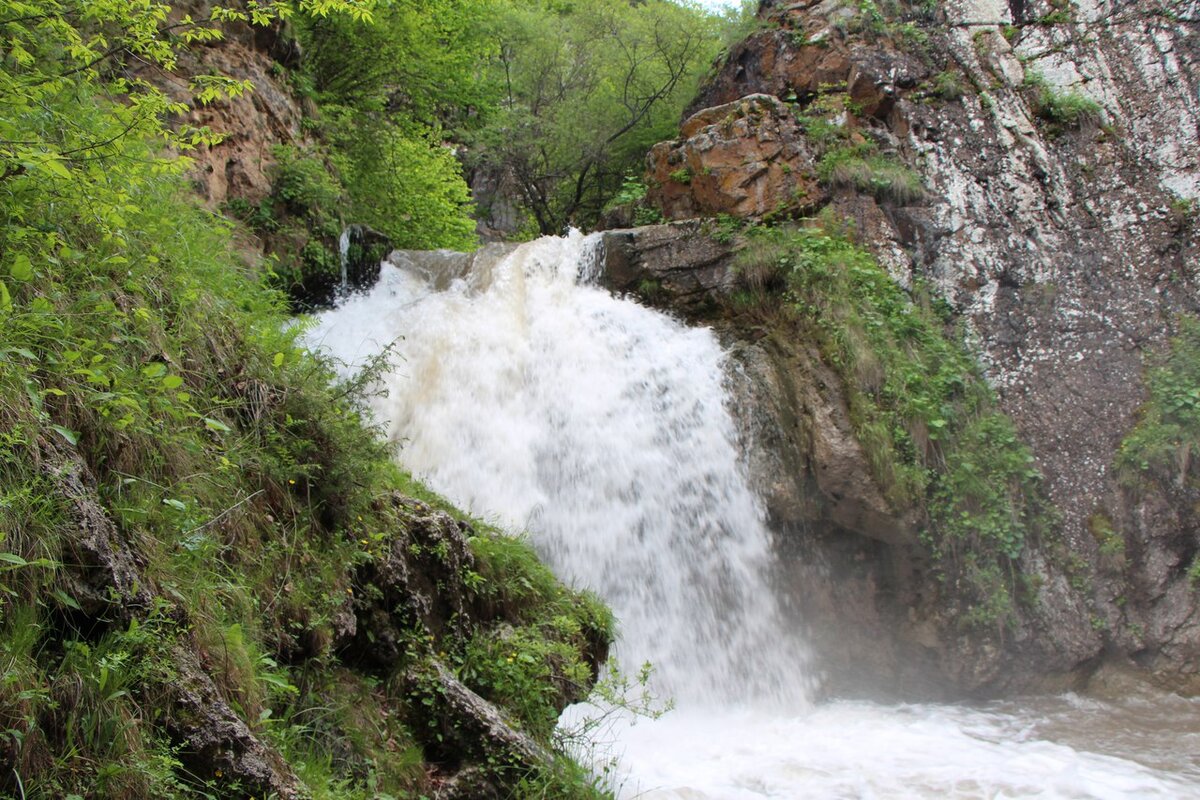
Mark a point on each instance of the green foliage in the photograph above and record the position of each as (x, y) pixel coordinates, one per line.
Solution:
(1166, 440)
(920, 407)
(583, 89)
(633, 194)
(419, 58)
(948, 86)
(137, 349)
(401, 182)
(1062, 110)
(301, 182)
(867, 171)
(682, 175)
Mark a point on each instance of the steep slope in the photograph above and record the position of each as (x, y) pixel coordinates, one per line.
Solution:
(1039, 174)
(214, 581)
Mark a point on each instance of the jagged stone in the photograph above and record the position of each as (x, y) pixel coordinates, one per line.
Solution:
(215, 743)
(745, 158)
(101, 571)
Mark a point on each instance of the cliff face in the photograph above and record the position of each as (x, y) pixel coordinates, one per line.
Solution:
(1059, 157)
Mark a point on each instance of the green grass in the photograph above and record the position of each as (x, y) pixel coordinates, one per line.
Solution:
(869, 172)
(929, 423)
(1164, 444)
(1061, 110)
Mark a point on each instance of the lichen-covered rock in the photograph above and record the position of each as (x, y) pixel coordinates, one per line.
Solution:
(745, 158)
(416, 583)
(1065, 243)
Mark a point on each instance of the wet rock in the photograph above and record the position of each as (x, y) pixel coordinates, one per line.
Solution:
(677, 265)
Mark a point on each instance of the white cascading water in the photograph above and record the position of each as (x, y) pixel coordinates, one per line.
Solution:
(528, 395)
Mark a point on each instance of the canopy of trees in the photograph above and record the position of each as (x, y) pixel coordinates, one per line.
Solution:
(566, 95)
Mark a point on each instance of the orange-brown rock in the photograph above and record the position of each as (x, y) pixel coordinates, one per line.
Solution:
(253, 123)
(745, 158)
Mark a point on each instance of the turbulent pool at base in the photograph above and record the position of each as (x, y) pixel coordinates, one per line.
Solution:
(531, 397)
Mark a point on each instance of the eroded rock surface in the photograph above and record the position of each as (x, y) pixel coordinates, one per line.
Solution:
(1062, 248)
(744, 158)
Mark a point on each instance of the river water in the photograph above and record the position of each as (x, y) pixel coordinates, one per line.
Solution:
(526, 394)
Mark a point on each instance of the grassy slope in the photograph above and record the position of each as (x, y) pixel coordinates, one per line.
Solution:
(242, 495)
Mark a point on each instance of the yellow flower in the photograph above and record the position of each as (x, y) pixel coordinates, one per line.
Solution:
(349, 590)
(292, 481)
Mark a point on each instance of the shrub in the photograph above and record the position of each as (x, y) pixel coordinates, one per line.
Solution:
(1062, 110)
(860, 167)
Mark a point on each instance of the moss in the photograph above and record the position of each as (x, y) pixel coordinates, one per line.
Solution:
(928, 421)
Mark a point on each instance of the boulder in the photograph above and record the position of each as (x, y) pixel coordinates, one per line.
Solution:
(746, 159)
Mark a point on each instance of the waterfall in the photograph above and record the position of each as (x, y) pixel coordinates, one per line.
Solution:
(344, 258)
(525, 392)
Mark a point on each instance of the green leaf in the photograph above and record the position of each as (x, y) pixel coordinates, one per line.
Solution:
(71, 436)
(172, 382)
(278, 360)
(178, 505)
(14, 559)
(56, 167)
(66, 599)
(155, 370)
(21, 268)
(5, 298)
(216, 425)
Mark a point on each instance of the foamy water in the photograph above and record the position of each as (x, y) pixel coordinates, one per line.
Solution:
(529, 396)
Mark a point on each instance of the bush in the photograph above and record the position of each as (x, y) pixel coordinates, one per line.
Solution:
(1062, 110)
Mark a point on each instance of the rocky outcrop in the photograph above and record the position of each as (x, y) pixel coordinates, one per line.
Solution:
(1059, 242)
(251, 124)
(678, 266)
(745, 158)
